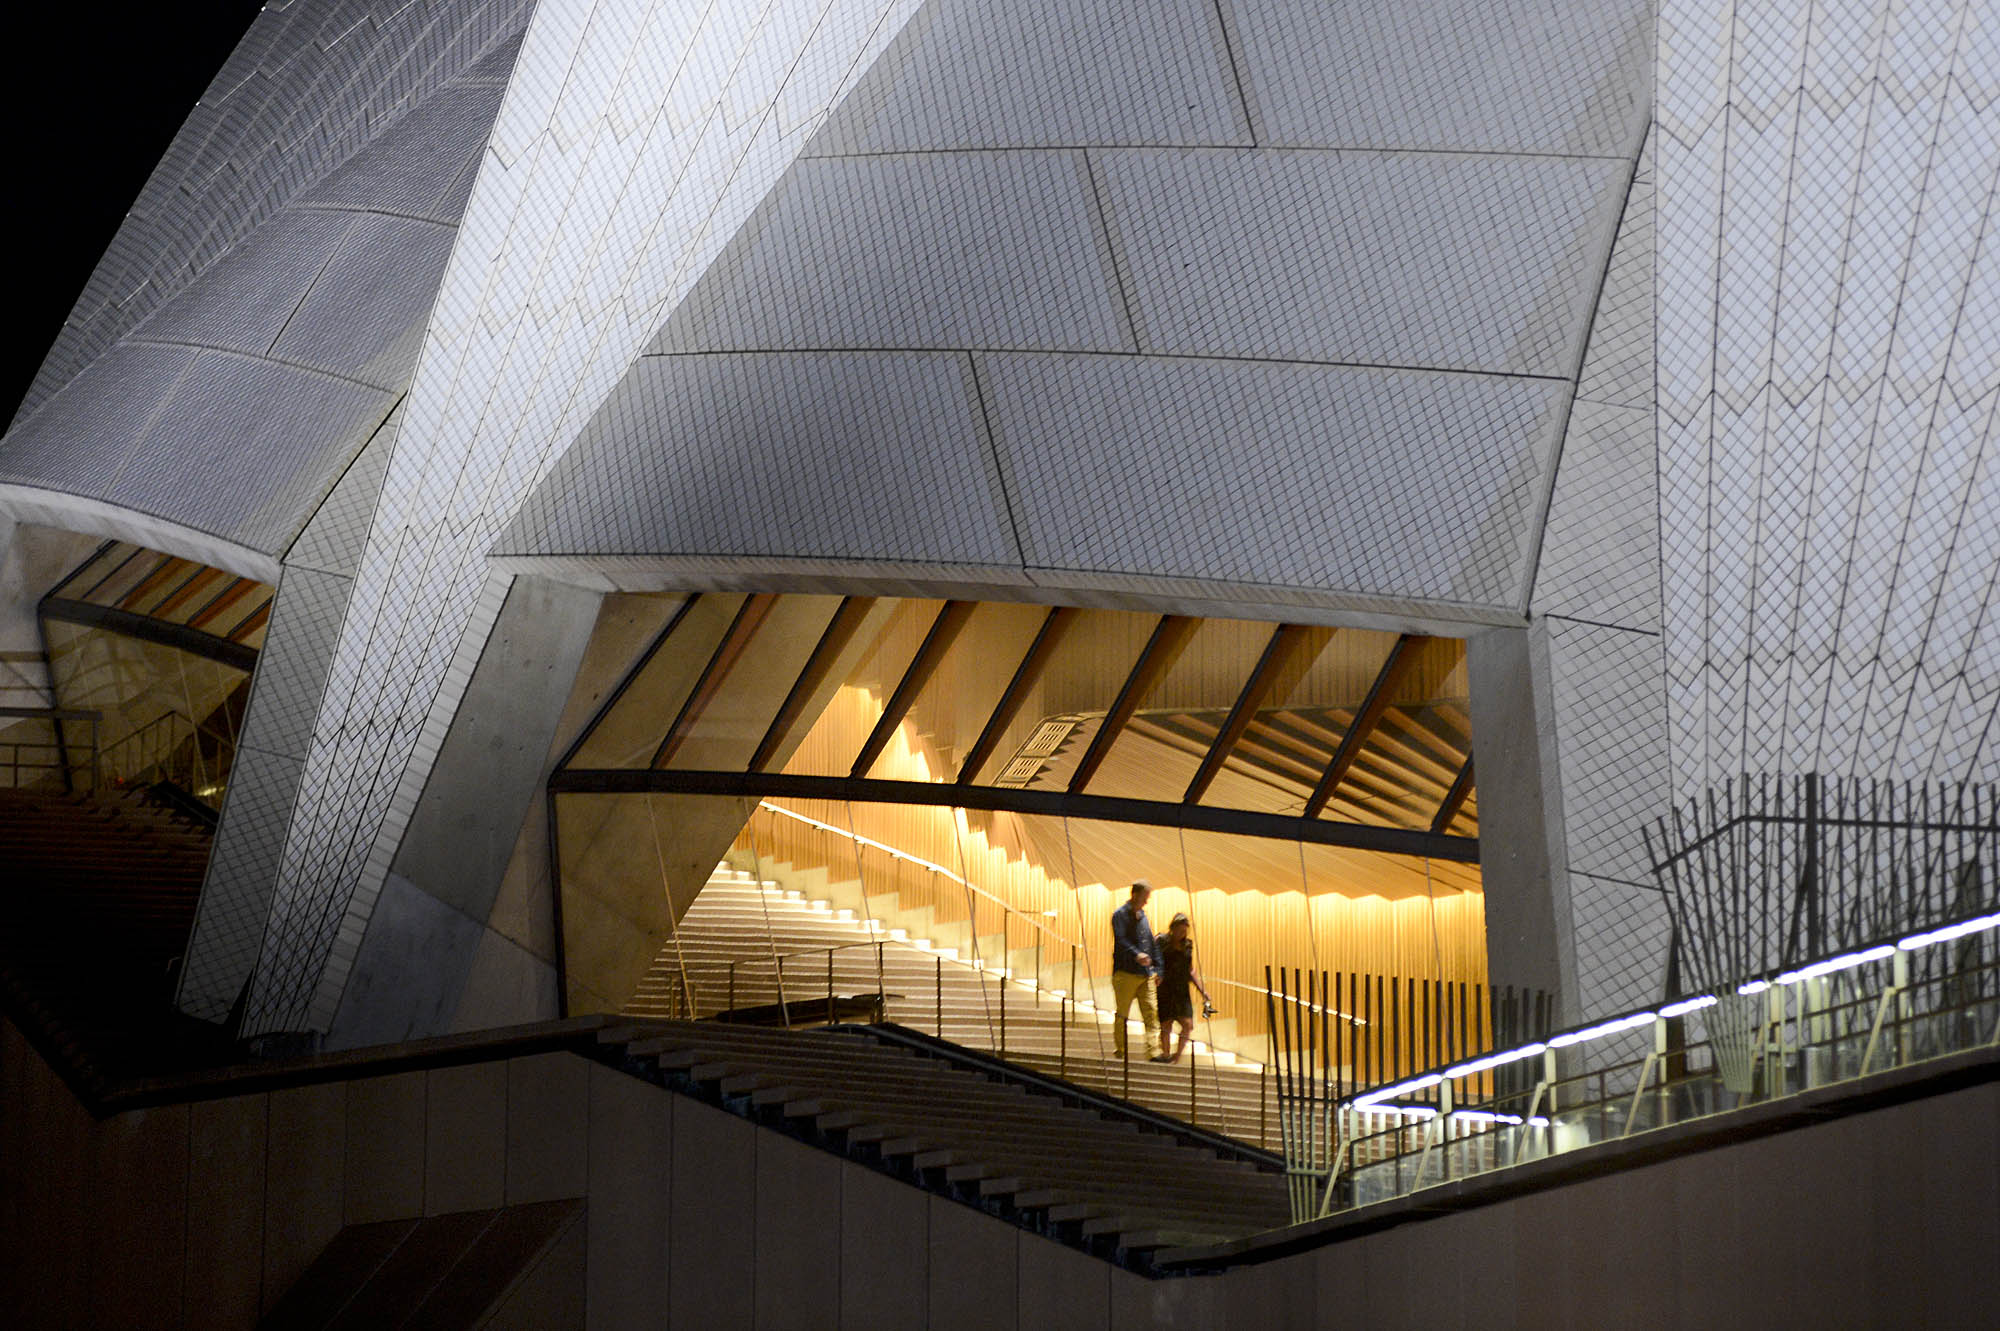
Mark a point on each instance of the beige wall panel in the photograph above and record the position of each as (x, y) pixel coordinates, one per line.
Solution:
(798, 1259)
(548, 1128)
(974, 1273)
(465, 1138)
(631, 1139)
(225, 1214)
(1060, 1288)
(551, 1297)
(712, 1261)
(137, 1206)
(884, 1253)
(385, 1148)
(305, 1180)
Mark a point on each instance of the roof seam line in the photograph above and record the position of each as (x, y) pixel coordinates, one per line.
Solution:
(1385, 367)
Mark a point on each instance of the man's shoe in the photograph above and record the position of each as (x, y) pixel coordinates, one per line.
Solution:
(1159, 1058)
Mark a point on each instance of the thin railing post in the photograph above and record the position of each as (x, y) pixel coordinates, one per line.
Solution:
(937, 993)
(1191, 1109)
(732, 990)
(829, 987)
(1004, 913)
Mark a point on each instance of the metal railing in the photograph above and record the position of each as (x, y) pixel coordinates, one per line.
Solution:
(172, 747)
(1892, 1004)
(57, 761)
(875, 980)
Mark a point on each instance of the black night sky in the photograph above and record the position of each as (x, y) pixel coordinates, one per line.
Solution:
(94, 100)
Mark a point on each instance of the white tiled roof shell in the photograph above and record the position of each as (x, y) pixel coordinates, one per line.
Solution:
(1239, 303)
(229, 411)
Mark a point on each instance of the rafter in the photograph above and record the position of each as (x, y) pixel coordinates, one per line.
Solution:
(1291, 649)
(1170, 637)
(1401, 657)
(839, 631)
(944, 631)
(1026, 675)
(750, 617)
(1454, 799)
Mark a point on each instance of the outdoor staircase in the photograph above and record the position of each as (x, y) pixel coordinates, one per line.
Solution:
(1076, 1168)
(727, 942)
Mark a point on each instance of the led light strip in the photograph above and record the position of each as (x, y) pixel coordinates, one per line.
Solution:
(1373, 1100)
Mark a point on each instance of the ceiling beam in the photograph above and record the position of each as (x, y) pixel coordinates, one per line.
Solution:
(148, 629)
(1026, 675)
(625, 680)
(1291, 649)
(1454, 799)
(944, 631)
(749, 618)
(1046, 803)
(1401, 657)
(839, 631)
(1162, 649)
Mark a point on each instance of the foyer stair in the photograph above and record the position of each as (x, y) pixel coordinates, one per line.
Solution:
(101, 895)
(721, 959)
(1078, 1169)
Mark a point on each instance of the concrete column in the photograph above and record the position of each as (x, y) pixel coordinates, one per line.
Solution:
(1529, 937)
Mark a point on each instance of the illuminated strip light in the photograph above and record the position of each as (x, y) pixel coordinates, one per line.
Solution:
(1495, 1060)
(1832, 964)
(1568, 1038)
(1466, 1115)
(1949, 932)
(1488, 1116)
(1372, 1102)
(1400, 1088)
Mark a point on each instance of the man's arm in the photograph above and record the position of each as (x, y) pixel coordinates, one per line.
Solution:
(1123, 926)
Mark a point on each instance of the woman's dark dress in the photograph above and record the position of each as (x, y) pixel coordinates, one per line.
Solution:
(1177, 973)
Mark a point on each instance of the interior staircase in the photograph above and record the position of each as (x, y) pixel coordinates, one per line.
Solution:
(101, 895)
(745, 934)
(1077, 1168)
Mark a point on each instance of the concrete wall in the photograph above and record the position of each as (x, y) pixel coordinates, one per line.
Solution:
(1522, 869)
(456, 942)
(200, 1215)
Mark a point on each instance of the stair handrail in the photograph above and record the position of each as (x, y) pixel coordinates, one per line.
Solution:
(897, 853)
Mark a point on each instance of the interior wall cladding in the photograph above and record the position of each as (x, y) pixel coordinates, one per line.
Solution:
(531, 329)
(1830, 502)
(307, 87)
